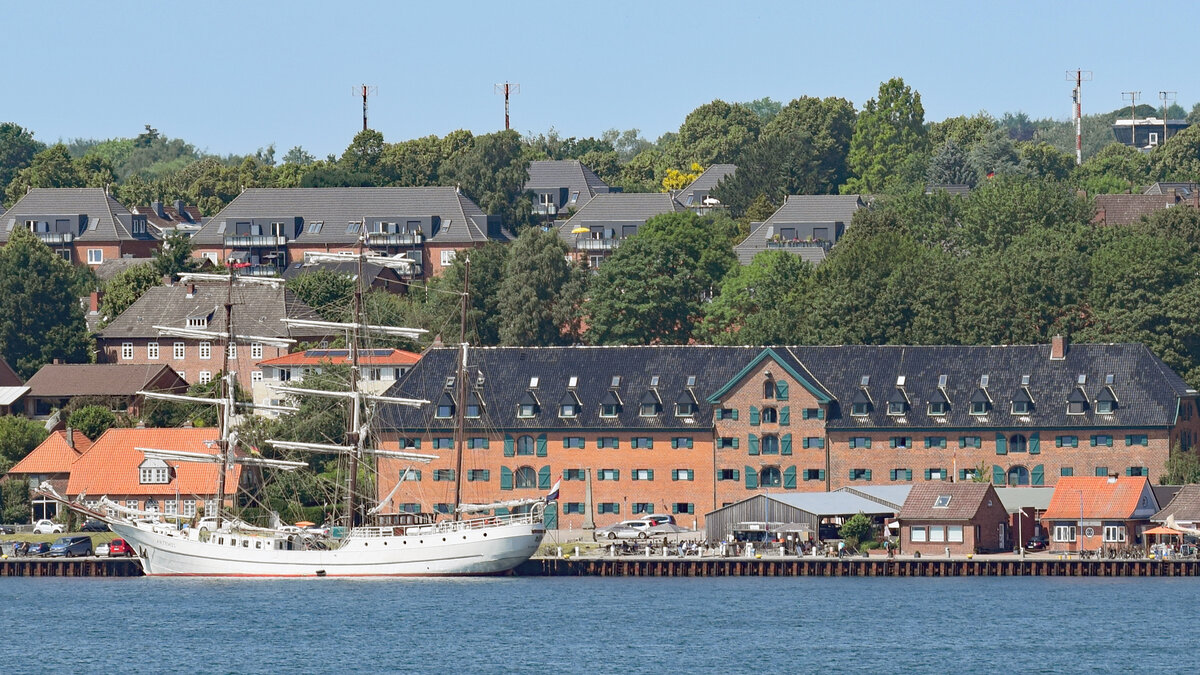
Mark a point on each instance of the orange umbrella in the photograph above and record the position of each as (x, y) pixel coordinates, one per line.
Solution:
(1160, 530)
(304, 523)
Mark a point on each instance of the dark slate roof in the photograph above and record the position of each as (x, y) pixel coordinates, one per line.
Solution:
(371, 272)
(565, 173)
(172, 217)
(965, 501)
(835, 211)
(955, 189)
(258, 310)
(1146, 387)
(462, 221)
(705, 183)
(1128, 209)
(107, 220)
(1184, 505)
(1170, 188)
(619, 207)
(111, 267)
(96, 379)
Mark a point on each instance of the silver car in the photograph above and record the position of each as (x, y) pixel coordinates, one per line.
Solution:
(626, 529)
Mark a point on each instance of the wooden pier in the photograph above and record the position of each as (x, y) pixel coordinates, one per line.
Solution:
(70, 567)
(854, 567)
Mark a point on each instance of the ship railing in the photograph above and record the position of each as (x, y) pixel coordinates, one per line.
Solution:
(533, 516)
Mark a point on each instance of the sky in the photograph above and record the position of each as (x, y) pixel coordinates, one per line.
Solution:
(231, 77)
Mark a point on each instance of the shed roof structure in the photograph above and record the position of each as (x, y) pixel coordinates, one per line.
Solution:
(795, 510)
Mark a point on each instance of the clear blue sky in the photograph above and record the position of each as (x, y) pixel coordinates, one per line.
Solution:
(230, 77)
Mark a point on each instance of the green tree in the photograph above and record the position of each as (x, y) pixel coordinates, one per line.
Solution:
(488, 264)
(994, 154)
(889, 133)
(1114, 169)
(706, 241)
(773, 168)
(493, 173)
(1178, 159)
(50, 168)
(40, 315)
(536, 271)
(17, 149)
(856, 530)
(766, 108)
(755, 306)
(363, 153)
(1183, 467)
(1006, 206)
(298, 156)
(18, 437)
(829, 124)
(713, 133)
(1043, 160)
(329, 293)
(175, 255)
(92, 420)
(14, 498)
(643, 172)
(964, 131)
(648, 292)
(125, 288)
(950, 166)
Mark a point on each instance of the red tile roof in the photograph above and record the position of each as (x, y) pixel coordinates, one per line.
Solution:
(53, 455)
(367, 357)
(965, 500)
(1115, 498)
(111, 465)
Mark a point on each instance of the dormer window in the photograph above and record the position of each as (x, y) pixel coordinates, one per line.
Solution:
(474, 405)
(897, 402)
(860, 405)
(197, 322)
(939, 405)
(528, 405)
(650, 406)
(610, 405)
(445, 407)
(1106, 402)
(685, 405)
(568, 406)
(154, 472)
(1077, 402)
(979, 407)
(1022, 403)
(769, 389)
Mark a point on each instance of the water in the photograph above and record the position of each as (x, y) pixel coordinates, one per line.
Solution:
(594, 625)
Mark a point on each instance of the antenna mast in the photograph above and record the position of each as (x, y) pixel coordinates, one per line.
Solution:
(1133, 96)
(1080, 76)
(365, 91)
(507, 88)
(1165, 96)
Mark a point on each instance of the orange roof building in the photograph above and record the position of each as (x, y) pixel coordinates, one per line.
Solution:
(1095, 512)
(50, 461)
(115, 467)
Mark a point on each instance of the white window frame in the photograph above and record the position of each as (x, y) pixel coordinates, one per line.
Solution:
(189, 507)
(954, 534)
(170, 506)
(918, 534)
(126, 351)
(233, 350)
(448, 256)
(179, 351)
(256, 350)
(205, 377)
(256, 376)
(95, 256)
(1064, 533)
(152, 351)
(205, 350)
(937, 534)
(1114, 534)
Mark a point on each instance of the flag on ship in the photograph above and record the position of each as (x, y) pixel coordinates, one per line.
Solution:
(553, 496)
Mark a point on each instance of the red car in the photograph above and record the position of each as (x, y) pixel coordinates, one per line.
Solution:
(118, 547)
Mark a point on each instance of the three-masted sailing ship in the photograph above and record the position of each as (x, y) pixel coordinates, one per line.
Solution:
(226, 546)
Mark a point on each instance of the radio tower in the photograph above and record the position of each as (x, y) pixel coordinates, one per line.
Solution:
(507, 88)
(365, 91)
(1080, 76)
(1133, 96)
(1165, 96)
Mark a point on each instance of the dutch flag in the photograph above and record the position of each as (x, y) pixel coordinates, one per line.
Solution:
(553, 496)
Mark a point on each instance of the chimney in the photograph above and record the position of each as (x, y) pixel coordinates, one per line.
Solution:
(70, 438)
(191, 289)
(1058, 348)
(157, 205)
(166, 280)
(58, 362)
(94, 301)
(141, 424)
(181, 208)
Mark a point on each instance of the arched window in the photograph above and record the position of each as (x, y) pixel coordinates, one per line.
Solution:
(769, 389)
(525, 477)
(770, 445)
(770, 477)
(770, 416)
(525, 445)
(1017, 443)
(1018, 475)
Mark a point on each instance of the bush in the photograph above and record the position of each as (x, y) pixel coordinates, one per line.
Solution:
(92, 420)
(856, 530)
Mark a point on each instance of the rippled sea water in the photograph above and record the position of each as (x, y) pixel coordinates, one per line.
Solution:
(594, 625)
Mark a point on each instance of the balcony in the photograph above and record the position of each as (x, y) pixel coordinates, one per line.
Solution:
(254, 240)
(56, 237)
(395, 239)
(796, 243)
(260, 271)
(545, 210)
(596, 244)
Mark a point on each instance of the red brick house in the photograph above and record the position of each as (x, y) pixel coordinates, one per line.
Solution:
(1099, 512)
(50, 461)
(84, 225)
(962, 517)
(55, 385)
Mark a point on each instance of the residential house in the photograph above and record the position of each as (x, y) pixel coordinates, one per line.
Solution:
(259, 311)
(164, 218)
(378, 370)
(270, 228)
(1184, 190)
(806, 225)
(116, 467)
(562, 186)
(55, 385)
(959, 518)
(1124, 209)
(12, 390)
(1091, 513)
(696, 195)
(954, 189)
(1183, 510)
(597, 229)
(51, 462)
(1146, 133)
(83, 225)
(689, 429)
(375, 277)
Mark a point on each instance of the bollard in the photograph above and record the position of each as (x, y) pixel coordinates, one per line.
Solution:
(560, 551)
(576, 551)
(647, 551)
(947, 551)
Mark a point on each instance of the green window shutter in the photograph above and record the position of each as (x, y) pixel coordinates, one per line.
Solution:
(1001, 444)
(786, 445)
(649, 443)
(1058, 441)
(820, 413)
(908, 475)
(804, 443)
(893, 472)
(997, 474)
(566, 474)
(804, 414)
(1093, 440)
(1035, 443)
(1128, 440)
(962, 475)
(735, 414)
(781, 390)
(416, 443)
(486, 443)
(892, 441)
(541, 445)
(1129, 471)
(868, 474)
(753, 416)
(565, 442)
(753, 444)
(675, 508)
(650, 474)
(505, 478)
(544, 478)
(674, 442)
(674, 474)
(689, 442)
(962, 441)
(821, 474)
(691, 507)
(751, 478)
(736, 474)
(736, 441)
(510, 450)
(1108, 442)
(785, 415)
(868, 442)
(1038, 475)
(928, 474)
(789, 478)
(551, 516)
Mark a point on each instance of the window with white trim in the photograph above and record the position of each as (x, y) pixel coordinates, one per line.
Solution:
(152, 351)
(448, 257)
(256, 351)
(189, 507)
(205, 377)
(954, 534)
(154, 471)
(1114, 534)
(256, 376)
(179, 351)
(1064, 533)
(206, 350)
(95, 256)
(917, 533)
(126, 351)
(233, 350)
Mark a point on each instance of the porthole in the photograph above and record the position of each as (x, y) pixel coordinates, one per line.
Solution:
(443, 539)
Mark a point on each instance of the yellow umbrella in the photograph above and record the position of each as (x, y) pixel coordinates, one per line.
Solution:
(580, 230)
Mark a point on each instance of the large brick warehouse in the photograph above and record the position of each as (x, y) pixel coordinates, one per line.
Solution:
(688, 429)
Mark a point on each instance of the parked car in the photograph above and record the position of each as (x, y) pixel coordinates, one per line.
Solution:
(656, 519)
(118, 547)
(47, 527)
(102, 550)
(76, 545)
(1037, 543)
(94, 526)
(7, 529)
(626, 529)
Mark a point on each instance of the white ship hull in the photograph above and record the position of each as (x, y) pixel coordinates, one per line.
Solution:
(442, 550)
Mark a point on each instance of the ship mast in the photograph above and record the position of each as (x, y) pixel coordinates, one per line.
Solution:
(460, 409)
(352, 435)
(225, 420)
